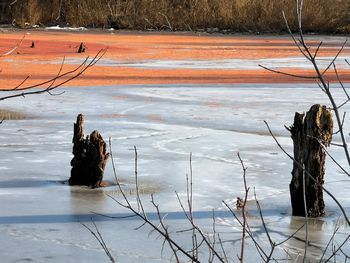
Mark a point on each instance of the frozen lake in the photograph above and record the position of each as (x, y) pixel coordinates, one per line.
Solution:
(40, 217)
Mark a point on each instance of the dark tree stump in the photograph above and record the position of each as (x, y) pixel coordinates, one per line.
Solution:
(90, 157)
(97, 156)
(308, 133)
(81, 48)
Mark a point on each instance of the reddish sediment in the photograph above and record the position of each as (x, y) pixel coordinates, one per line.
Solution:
(43, 62)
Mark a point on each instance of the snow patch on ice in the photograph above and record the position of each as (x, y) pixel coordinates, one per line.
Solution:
(66, 28)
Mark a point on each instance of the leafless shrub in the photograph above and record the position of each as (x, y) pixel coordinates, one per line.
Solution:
(206, 246)
(320, 77)
(239, 15)
(99, 237)
(212, 242)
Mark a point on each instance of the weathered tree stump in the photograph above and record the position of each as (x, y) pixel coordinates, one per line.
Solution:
(89, 157)
(310, 132)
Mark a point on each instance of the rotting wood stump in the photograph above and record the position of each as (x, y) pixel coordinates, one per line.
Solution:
(81, 48)
(311, 133)
(89, 157)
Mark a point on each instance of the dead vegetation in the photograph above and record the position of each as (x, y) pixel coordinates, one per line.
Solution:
(210, 246)
(322, 16)
(13, 115)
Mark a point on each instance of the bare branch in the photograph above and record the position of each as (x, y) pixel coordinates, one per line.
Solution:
(291, 236)
(306, 219)
(334, 160)
(340, 82)
(288, 74)
(20, 84)
(71, 75)
(14, 48)
(168, 22)
(335, 57)
(259, 248)
(291, 34)
(163, 231)
(330, 240)
(244, 212)
(317, 50)
(96, 233)
(322, 82)
(347, 61)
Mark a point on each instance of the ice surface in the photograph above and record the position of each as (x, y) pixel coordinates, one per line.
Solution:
(40, 214)
(233, 64)
(241, 64)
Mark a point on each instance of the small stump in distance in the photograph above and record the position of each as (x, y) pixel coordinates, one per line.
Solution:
(89, 157)
(310, 132)
(81, 48)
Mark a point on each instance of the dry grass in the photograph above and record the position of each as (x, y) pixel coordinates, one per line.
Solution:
(12, 115)
(322, 16)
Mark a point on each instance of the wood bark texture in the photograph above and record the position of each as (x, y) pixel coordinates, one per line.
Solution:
(89, 157)
(310, 132)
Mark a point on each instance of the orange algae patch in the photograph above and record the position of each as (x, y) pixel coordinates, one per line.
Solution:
(43, 62)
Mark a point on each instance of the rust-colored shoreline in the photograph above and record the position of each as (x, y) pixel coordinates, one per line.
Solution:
(133, 47)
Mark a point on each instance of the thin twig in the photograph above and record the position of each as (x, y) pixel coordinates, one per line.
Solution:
(340, 82)
(175, 246)
(78, 71)
(259, 248)
(100, 239)
(320, 77)
(335, 57)
(288, 74)
(244, 213)
(317, 49)
(330, 240)
(306, 218)
(167, 20)
(14, 48)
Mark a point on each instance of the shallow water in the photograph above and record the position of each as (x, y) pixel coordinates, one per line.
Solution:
(166, 123)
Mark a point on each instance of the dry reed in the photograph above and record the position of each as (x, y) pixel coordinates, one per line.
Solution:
(12, 115)
(323, 16)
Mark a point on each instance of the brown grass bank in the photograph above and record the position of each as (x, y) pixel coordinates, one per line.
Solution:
(322, 16)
